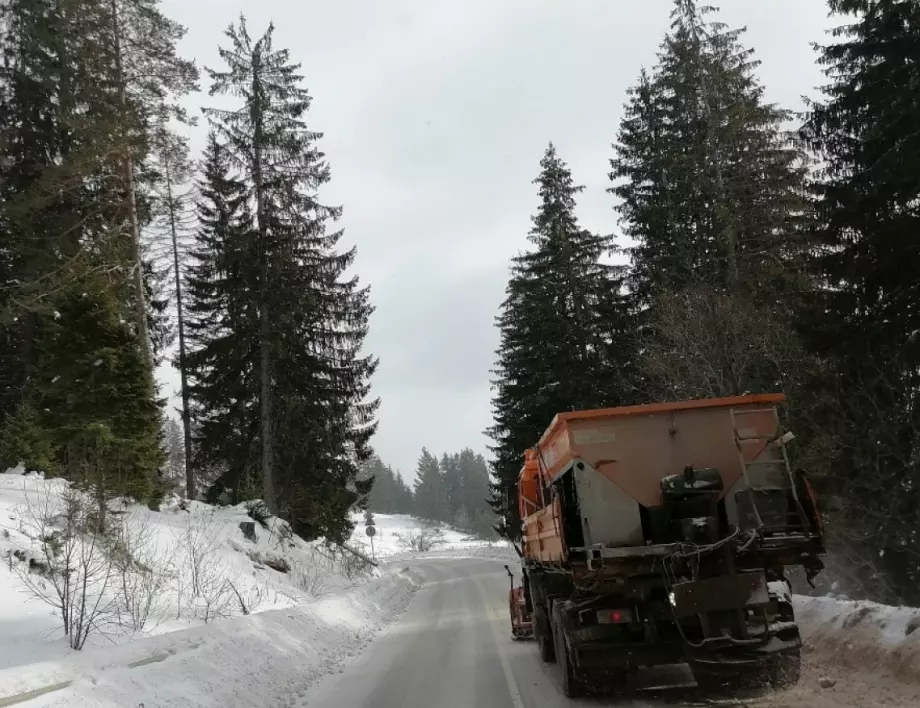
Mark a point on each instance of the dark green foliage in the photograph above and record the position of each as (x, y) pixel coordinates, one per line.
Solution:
(469, 496)
(864, 323)
(454, 491)
(24, 440)
(315, 419)
(430, 499)
(710, 185)
(93, 399)
(79, 387)
(565, 332)
(389, 494)
(223, 329)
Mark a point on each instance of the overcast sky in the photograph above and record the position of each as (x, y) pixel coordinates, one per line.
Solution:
(436, 114)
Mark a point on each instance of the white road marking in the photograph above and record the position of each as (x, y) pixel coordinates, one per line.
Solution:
(499, 643)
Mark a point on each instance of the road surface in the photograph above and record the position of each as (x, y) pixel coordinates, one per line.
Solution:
(453, 649)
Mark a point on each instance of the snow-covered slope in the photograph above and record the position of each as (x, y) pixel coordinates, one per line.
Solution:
(181, 572)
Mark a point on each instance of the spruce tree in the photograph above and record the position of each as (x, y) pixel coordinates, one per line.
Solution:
(711, 188)
(710, 185)
(452, 483)
(565, 332)
(865, 324)
(315, 416)
(134, 45)
(405, 502)
(33, 141)
(389, 493)
(222, 329)
(93, 398)
(383, 494)
(429, 490)
(82, 383)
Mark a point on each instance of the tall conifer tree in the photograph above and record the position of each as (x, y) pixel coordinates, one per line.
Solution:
(564, 332)
(315, 415)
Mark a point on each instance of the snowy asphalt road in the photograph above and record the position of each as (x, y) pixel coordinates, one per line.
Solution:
(453, 649)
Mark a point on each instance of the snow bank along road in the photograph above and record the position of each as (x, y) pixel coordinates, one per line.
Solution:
(447, 645)
(452, 649)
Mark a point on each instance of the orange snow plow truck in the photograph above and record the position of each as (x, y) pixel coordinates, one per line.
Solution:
(662, 534)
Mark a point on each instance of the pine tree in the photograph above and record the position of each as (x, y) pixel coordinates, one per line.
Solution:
(452, 483)
(565, 341)
(429, 492)
(136, 44)
(62, 200)
(866, 320)
(223, 329)
(32, 142)
(712, 190)
(171, 211)
(405, 501)
(315, 416)
(384, 494)
(476, 513)
(93, 397)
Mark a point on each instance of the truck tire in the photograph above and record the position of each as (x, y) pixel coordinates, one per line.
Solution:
(572, 684)
(543, 634)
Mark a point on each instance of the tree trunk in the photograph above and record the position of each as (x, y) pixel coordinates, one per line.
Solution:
(268, 480)
(140, 304)
(183, 369)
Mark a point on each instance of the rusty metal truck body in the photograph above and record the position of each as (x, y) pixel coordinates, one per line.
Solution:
(662, 534)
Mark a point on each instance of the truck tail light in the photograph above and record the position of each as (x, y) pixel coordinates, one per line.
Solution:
(618, 616)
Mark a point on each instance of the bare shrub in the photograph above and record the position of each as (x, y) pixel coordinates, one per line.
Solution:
(251, 599)
(421, 540)
(313, 575)
(142, 573)
(703, 343)
(203, 584)
(72, 571)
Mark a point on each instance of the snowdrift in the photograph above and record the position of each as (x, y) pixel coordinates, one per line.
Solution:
(862, 636)
(184, 592)
(270, 658)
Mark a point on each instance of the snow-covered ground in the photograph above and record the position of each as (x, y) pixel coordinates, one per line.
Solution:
(197, 567)
(223, 608)
(863, 636)
(395, 532)
(270, 616)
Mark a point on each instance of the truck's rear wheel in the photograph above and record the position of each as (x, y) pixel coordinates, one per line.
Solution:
(572, 684)
(544, 635)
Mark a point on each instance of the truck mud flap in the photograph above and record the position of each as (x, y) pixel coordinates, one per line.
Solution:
(729, 592)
